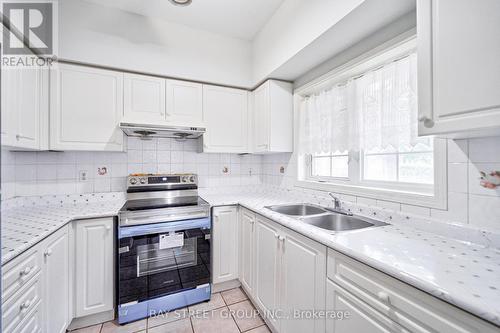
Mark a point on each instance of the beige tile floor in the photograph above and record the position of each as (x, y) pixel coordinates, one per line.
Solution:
(227, 312)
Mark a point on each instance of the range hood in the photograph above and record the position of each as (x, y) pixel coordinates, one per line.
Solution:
(161, 131)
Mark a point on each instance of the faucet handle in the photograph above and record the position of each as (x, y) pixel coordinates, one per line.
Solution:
(336, 200)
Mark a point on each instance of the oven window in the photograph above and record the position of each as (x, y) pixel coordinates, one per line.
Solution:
(160, 264)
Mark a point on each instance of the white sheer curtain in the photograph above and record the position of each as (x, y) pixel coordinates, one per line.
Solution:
(377, 111)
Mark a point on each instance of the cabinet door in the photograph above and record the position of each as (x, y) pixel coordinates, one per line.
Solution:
(86, 108)
(225, 114)
(9, 97)
(225, 255)
(267, 268)
(261, 118)
(361, 317)
(94, 266)
(184, 103)
(29, 108)
(302, 281)
(144, 98)
(56, 282)
(24, 104)
(247, 248)
(459, 67)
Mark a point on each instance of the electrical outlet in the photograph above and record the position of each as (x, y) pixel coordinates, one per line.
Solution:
(83, 175)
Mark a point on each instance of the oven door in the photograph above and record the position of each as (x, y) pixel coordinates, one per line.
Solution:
(162, 259)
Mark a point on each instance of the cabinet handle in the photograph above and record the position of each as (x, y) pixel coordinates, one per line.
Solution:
(19, 136)
(108, 228)
(25, 305)
(428, 122)
(47, 253)
(383, 296)
(25, 271)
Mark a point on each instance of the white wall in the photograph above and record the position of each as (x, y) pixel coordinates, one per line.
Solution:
(104, 36)
(468, 202)
(45, 173)
(295, 25)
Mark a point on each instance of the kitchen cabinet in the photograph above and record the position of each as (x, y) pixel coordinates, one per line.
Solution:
(86, 106)
(458, 68)
(56, 291)
(25, 104)
(303, 270)
(144, 98)
(225, 114)
(247, 249)
(267, 267)
(94, 266)
(273, 117)
(361, 317)
(290, 275)
(380, 303)
(184, 103)
(225, 236)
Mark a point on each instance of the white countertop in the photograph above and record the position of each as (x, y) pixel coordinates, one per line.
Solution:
(461, 273)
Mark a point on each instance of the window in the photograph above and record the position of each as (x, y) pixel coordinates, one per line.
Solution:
(330, 166)
(358, 133)
(404, 165)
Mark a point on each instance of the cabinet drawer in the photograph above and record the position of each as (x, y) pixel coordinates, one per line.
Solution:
(21, 304)
(361, 316)
(402, 303)
(19, 272)
(32, 323)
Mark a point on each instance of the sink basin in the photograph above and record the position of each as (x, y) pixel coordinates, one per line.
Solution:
(339, 222)
(297, 209)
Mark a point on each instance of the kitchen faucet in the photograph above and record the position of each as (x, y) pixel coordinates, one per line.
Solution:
(337, 205)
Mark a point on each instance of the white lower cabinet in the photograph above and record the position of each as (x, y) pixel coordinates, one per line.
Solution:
(41, 294)
(303, 270)
(225, 246)
(289, 277)
(379, 303)
(359, 317)
(246, 249)
(55, 277)
(267, 268)
(94, 278)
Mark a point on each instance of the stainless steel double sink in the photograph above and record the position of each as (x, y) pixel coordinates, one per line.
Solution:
(325, 218)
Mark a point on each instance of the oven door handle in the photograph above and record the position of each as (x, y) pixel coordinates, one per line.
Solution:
(164, 227)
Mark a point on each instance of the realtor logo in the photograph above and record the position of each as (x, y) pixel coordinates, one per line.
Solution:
(30, 25)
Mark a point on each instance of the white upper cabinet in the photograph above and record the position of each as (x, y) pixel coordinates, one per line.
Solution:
(273, 117)
(25, 108)
(459, 67)
(184, 103)
(225, 114)
(86, 107)
(144, 98)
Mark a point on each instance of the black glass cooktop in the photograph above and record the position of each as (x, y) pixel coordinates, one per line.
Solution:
(156, 203)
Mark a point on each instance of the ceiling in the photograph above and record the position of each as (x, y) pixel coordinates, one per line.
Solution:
(234, 18)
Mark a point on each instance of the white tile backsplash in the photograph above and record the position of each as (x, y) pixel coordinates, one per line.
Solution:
(42, 173)
(30, 173)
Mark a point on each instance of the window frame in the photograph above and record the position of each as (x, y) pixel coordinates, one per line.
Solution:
(407, 193)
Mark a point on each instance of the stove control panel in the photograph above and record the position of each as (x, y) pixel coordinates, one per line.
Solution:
(135, 180)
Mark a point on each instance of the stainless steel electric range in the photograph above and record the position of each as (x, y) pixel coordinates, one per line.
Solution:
(163, 246)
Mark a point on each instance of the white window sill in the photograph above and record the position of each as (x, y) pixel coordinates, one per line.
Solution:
(436, 200)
